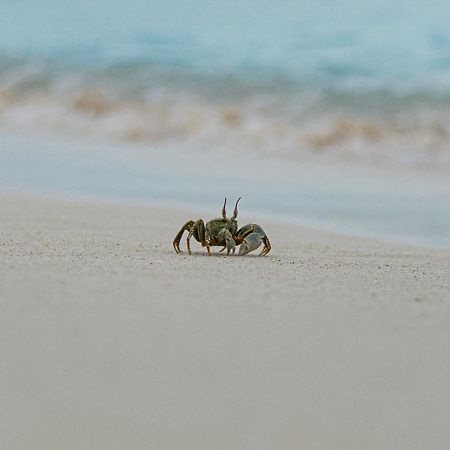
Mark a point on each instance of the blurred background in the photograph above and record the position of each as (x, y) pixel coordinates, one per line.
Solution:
(332, 114)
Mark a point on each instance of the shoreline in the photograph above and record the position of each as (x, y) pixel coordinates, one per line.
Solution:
(386, 205)
(192, 210)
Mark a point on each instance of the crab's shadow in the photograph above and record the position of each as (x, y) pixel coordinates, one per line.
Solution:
(218, 255)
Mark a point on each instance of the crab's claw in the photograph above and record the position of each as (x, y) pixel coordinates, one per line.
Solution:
(230, 244)
(250, 237)
(251, 242)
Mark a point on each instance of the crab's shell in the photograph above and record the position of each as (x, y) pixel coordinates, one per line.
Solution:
(214, 226)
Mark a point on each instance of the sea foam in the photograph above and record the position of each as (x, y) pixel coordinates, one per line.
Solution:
(356, 80)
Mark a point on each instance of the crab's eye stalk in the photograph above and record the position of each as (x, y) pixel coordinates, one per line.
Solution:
(235, 212)
(224, 211)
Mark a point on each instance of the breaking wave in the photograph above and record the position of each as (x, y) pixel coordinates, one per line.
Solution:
(270, 116)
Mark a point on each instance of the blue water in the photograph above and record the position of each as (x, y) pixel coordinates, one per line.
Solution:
(401, 46)
(301, 60)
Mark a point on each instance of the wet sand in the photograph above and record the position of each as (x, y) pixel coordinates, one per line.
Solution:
(109, 340)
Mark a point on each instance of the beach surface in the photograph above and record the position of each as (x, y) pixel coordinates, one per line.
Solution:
(110, 340)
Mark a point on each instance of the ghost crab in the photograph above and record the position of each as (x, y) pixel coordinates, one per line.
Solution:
(224, 232)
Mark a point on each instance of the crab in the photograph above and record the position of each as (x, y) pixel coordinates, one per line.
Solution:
(224, 232)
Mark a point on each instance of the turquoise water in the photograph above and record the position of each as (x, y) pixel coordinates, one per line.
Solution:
(367, 78)
(401, 46)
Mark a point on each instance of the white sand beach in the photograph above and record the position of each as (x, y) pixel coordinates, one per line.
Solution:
(110, 340)
(120, 121)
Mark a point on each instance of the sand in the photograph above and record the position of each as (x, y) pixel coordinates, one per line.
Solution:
(110, 340)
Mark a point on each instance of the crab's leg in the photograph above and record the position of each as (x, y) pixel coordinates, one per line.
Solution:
(267, 246)
(176, 242)
(198, 230)
(250, 237)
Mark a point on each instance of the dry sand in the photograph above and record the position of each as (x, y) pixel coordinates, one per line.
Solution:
(109, 340)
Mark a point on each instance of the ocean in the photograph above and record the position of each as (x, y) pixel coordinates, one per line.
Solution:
(363, 80)
(353, 82)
